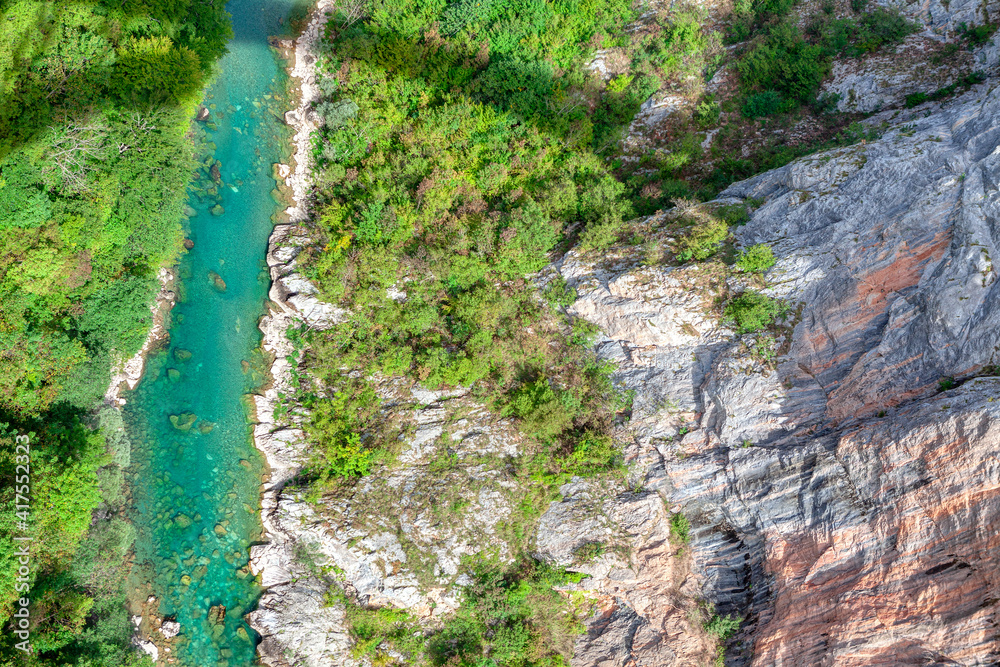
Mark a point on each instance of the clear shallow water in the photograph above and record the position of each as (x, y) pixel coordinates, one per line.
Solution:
(195, 475)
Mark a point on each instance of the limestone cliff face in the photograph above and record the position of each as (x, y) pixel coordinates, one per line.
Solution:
(842, 503)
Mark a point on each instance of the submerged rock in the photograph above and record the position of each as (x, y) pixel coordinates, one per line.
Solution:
(217, 282)
(183, 421)
(217, 614)
(182, 355)
(217, 209)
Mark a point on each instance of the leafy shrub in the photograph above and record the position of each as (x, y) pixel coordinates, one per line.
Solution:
(510, 616)
(541, 408)
(335, 428)
(763, 104)
(752, 311)
(706, 114)
(785, 63)
(592, 453)
(757, 258)
(723, 627)
(558, 293)
(588, 552)
(734, 214)
(701, 240)
(373, 628)
(978, 35)
(964, 83)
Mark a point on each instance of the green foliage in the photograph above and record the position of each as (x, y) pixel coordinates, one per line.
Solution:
(757, 258)
(510, 616)
(723, 627)
(456, 155)
(707, 113)
(763, 104)
(95, 101)
(335, 430)
(588, 552)
(702, 239)
(964, 83)
(783, 67)
(95, 104)
(680, 528)
(559, 294)
(977, 35)
(541, 408)
(752, 311)
(374, 630)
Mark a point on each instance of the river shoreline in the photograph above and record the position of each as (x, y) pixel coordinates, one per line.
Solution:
(292, 300)
(128, 373)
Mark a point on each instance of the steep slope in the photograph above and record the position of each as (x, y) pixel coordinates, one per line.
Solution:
(841, 504)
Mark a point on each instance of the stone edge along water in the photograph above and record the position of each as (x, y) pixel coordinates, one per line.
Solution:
(293, 300)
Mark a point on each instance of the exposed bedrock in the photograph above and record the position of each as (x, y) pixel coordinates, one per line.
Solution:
(840, 500)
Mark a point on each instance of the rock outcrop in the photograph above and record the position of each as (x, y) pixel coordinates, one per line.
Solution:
(295, 625)
(840, 501)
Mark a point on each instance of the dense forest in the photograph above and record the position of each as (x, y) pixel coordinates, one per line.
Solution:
(95, 103)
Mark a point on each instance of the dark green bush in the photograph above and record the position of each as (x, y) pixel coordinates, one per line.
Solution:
(752, 311)
(680, 528)
(977, 35)
(706, 114)
(723, 627)
(763, 104)
(510, 616)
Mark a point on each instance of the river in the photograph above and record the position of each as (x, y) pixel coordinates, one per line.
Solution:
(195, 475)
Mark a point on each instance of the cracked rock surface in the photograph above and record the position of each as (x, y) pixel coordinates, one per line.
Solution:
(839, 500)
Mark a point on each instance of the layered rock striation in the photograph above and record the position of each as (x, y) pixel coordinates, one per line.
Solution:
(840, 474)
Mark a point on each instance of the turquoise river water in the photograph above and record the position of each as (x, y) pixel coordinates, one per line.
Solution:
(195, 473)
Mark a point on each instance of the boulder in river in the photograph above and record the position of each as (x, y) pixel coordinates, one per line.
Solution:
(188, 244)
(217, 282)
(215, 171)
(217, 614)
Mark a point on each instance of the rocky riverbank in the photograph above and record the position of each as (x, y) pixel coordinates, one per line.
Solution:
(836, 471)
(290, 615)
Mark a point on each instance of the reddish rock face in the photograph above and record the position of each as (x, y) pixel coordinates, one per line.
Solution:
(912, 578)
(841, 504)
